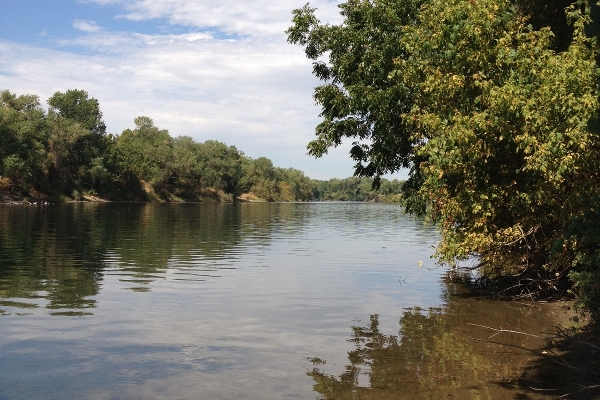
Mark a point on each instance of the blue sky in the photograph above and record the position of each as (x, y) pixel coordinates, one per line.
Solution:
(40, 21)
(209, 69)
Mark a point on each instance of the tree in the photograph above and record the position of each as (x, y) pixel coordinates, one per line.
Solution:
(23, 142)
(356, 189)
(505, 132)
(271, 183)
(221, 166)
(77, 140)
(496, 112)
(77, 106)
(146, 151)
(260, 178)
(298, 185)
(359, 99)
(185, 162)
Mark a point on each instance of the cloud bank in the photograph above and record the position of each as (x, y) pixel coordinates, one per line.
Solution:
(210, 70)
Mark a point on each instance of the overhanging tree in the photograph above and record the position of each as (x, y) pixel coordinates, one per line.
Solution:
(494, 111)
(359, 99)
(505, 132)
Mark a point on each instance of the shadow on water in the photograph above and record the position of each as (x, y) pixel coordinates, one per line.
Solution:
(463, 350)
(570, 368)
(56, 256)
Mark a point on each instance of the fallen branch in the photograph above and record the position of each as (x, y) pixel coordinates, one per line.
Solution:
(498, 331)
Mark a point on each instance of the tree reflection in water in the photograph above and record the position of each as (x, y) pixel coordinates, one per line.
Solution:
(56, 257)
(437, 354)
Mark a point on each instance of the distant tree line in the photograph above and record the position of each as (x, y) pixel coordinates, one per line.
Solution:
(65, 153)
(358, 189)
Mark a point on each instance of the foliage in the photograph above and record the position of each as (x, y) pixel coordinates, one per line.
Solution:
(76, 106)
(77, 139)
(357, 189)
(496, 112)
(66, 153)
(146, 151)
(276, 184)
(504, 126)
(22, 142)
(359, 99)
(222, 166)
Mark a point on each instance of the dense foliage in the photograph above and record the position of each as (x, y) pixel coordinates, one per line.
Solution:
(276, 184)
(357, 189)
(498, 112)
(66, 153)
(359, 99)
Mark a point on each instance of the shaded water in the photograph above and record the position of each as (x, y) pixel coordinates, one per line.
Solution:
(257, 301)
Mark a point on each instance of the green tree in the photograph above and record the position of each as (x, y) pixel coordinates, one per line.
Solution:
(77, 141)
(299, 185)
(23, 141)
(505, 132)
(272, 183)
(493, 105)
(66, 152)
(77, 106)
(359, 99)
(146, 151)
(260, 178)
(185, 159)
(356, 189)
(221, 166)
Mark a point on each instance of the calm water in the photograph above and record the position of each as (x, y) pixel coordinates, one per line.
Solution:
(249, 301)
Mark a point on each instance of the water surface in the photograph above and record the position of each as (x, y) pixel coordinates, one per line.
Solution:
(256, 301)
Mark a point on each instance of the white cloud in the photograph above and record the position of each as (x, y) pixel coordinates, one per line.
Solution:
(86, 26)
(254, 92)
(125, 42)
(236, 17)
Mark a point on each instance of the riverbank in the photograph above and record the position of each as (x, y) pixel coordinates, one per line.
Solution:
(567, 366)
(209, 196)
(150, 196)
(534, 349)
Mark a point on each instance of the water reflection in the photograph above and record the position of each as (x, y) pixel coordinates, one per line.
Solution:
(51, 256)
(439, 353)
(226, 301)
(57, 256)
(194, 300)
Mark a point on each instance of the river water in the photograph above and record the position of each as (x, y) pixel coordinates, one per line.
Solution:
(247, 301)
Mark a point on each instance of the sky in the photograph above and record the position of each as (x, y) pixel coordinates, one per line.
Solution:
(209, 69)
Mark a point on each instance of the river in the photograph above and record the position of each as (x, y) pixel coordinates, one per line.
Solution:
(247, 301)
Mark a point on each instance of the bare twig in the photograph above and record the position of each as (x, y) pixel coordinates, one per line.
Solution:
(580, 390)
(565, 335)
(498, 331)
